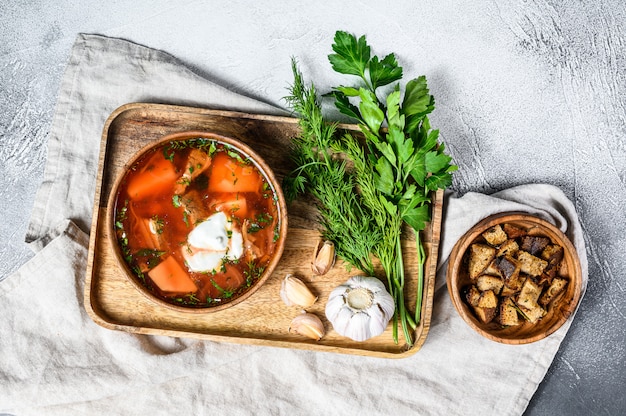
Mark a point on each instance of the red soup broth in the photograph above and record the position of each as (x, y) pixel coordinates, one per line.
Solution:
(174, 188)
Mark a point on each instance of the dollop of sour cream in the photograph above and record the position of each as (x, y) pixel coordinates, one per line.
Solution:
(212, 241)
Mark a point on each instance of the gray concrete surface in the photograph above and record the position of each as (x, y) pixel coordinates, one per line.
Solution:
(527, 91)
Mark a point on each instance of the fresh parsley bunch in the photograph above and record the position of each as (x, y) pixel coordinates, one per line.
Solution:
(409, 161)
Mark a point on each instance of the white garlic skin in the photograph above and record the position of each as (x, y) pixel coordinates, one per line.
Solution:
(294, 292)
(308, 325)
(323, 258)
(360, 308)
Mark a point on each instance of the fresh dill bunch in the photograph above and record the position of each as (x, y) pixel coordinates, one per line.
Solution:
(324, 175)
(345, 221)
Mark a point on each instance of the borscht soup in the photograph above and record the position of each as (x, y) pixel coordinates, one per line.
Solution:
(197, 221)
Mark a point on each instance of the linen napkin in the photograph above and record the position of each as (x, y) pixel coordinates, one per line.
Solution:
(55, 360)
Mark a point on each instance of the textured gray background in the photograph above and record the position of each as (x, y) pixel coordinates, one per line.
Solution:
(527, 91)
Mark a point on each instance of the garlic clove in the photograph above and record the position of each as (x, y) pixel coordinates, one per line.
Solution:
(358, 327)
(293, 291)
(335, 303)
(341, 319)
(387, 305)
(378, 321)
(377, 327)
(308, 325)
(371, 283)
(323, 258)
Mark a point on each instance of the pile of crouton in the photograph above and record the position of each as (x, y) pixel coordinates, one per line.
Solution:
(514, 276)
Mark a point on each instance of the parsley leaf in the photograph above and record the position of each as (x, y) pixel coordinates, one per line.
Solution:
(351, 55)
(417, 102)
(384, 179)
(345, 106)
(384, 72)
(417, 217)
(371, 113)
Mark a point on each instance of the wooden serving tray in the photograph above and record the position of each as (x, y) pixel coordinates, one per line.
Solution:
(263, 319)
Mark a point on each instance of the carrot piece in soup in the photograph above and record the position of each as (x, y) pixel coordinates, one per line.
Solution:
(170, 277)
(158, 176)
(233, 205)
(228, 175)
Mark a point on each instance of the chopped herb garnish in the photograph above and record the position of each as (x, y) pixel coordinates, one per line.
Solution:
(168, 153)
(144, 252)
(150, 256)
(159, 223)
(121, 215)
(208, 145)
(264, 218)
(184, 181)
(252, 273)
(225, 293)
(139, 274)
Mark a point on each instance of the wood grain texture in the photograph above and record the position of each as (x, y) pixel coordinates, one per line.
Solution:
(262, 319)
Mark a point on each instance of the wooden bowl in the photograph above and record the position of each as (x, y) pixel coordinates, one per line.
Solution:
(458, 280)
(279, 230)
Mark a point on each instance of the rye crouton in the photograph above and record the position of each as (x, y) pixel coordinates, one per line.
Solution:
(479, 258)
(529, 294)
(533, 314)
(487, 306)
(508, 267)
(486, 282)
(530, 264)
(495, 235)
(492, 270)
(513, 232)
(513, 285)
(553, 254)
(508, 248)
(508, 313)
(556, 287)
(534, 244)
(472, 296)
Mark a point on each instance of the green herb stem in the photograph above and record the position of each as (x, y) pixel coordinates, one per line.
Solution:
(420, 277)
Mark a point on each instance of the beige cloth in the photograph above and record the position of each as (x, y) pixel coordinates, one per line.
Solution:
(55, 360)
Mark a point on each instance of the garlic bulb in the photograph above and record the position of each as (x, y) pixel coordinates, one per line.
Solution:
(323, 258)
(360, 308)
(293, 291)
(308, 325)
